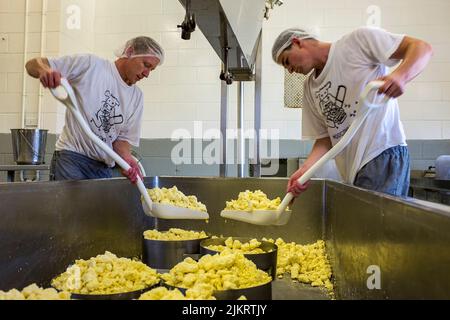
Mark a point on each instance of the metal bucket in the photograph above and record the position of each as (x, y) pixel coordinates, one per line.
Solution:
(261, 292)
(132, 295)
(266, 261)
(165, 254)
(443, 167)
(29, 145)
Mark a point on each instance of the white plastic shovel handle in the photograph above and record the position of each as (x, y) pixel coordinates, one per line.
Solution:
(366, 107)
(68, 98)
(373, 86)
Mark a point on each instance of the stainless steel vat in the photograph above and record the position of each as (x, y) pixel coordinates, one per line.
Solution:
(132, 295)
(261, 292)
(408, 240)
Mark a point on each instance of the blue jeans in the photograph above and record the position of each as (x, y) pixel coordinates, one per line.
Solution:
(387, 173)
(68, 165)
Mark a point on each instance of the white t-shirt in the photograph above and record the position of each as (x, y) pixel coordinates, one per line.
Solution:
(111, 107)
(331, 99)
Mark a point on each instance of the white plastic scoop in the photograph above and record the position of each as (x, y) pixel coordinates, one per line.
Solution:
(156, 210)
(281, 216)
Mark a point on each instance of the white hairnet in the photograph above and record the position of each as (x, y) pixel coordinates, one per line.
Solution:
(284, 40)
(141, 47)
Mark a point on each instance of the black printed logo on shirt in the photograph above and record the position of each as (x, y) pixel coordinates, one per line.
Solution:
(106, 117)
(340, 134)
(332, 106)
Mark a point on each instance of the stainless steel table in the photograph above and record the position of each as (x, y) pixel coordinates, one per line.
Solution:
(11, 170)
(430, 189)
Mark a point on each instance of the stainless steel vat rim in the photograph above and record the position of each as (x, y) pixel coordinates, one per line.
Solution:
(420, 204)
(23, 129)
(423, 205)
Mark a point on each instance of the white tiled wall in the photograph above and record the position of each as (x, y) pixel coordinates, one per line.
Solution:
(12, 33)
(186, 88)
(425, 107)
(72, 38)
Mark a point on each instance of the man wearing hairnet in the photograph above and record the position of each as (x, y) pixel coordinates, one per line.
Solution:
(377, 158)
(110, 102)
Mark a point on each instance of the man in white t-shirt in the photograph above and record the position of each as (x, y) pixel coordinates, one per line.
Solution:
(110, 102)
(377, 158)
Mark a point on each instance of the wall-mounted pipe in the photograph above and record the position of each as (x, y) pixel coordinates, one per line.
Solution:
(256, 164)
(241, 131)
(25, 52)
(43, 36)
(223, 170)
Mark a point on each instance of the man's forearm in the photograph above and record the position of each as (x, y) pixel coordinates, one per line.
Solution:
(321, 146)
(123, 148)
(416, 56)
(35, 67)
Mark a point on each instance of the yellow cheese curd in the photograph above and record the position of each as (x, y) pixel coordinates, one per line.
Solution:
(175, 197)
(249, 201)
(163, 293)
(305, 263)
(174, 234)
(223, 271)
(251, 247)
(34, 292)
(106, 274)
